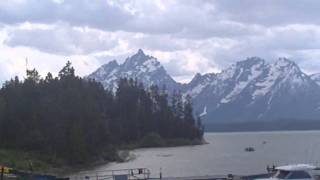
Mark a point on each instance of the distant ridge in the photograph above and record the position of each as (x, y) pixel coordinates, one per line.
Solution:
(249, 90)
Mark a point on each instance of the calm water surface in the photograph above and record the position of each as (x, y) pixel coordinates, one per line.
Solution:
(225, 154)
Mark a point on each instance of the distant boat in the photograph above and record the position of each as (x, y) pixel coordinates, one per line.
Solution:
(249, 149)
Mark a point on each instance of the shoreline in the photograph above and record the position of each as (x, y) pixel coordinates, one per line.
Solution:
(45, 167)
(127, 156)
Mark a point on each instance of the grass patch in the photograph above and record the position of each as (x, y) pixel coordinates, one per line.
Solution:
(155, 140)
(25, 160)
(152, 140)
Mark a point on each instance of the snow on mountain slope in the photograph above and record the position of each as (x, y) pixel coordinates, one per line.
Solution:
(281, 72)
(246, 72)
(107, 74)
(248, 90)
(225, 86)
(146, 69)
(252, 89)
(198, 83)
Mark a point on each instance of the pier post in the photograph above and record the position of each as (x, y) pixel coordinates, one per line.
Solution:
(230, 177)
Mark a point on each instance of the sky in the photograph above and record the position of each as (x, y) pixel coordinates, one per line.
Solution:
(187, 36)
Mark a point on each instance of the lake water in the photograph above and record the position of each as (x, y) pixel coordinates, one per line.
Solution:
(225, 154)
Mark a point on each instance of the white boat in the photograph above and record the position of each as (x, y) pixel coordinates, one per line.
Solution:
(295, 172)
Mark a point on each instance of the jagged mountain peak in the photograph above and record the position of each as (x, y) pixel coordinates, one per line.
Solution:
(112, 63)
(243, 70)
(140, 51)
(287, 70)
(251, 61)
(138, 57)
(199, 83)
(204, 80)
(206, 76)
(145, 68)
(255, 89)
(197, 76)
(285, 63)
(104, 71)
(142, 62)
(287, 67)
(251, 89)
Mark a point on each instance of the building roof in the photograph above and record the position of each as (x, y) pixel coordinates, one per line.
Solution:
(296, 167)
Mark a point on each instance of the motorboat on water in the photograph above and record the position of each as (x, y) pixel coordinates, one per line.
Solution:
(295, 172)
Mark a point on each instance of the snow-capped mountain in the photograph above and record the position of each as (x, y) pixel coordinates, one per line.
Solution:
(248, 90)
(254, 90)
(198, 83)
(146, 69)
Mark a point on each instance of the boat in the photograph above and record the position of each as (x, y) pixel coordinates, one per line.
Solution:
(249, 149)
(294, 172)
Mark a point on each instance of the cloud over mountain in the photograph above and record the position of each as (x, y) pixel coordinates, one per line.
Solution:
(210, 35)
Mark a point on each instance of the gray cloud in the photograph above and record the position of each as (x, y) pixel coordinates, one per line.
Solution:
(194, 18)
(182, 19)
(159, 42)
(63, 40)
(271, 12)
(97, 14)
(216, 32)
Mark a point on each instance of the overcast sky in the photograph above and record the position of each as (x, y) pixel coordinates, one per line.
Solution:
(186, 36)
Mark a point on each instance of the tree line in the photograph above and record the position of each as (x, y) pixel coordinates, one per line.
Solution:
(74, 118)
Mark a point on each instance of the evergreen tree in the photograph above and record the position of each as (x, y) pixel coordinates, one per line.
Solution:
(75, 119)
(67, 71)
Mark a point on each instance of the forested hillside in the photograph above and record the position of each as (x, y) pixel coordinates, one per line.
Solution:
(75, 119)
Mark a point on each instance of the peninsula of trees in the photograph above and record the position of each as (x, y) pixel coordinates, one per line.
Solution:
(75, 119)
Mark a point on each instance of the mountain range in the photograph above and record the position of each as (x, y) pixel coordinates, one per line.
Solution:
(249, 90)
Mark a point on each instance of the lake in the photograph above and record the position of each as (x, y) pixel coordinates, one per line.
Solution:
(226, 154)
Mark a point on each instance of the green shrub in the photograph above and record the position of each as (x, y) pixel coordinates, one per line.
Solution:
(152, 140)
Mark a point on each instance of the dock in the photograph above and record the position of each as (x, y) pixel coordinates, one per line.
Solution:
(215, 177)
(144, 174)
(125, 174)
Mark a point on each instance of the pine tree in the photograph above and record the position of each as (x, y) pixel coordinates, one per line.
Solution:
(75, 119)
(67, 71)
(33, 76)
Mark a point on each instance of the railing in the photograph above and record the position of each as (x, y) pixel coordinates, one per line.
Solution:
(121, 174)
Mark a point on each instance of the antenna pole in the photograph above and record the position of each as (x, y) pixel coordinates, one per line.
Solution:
(27, 63)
